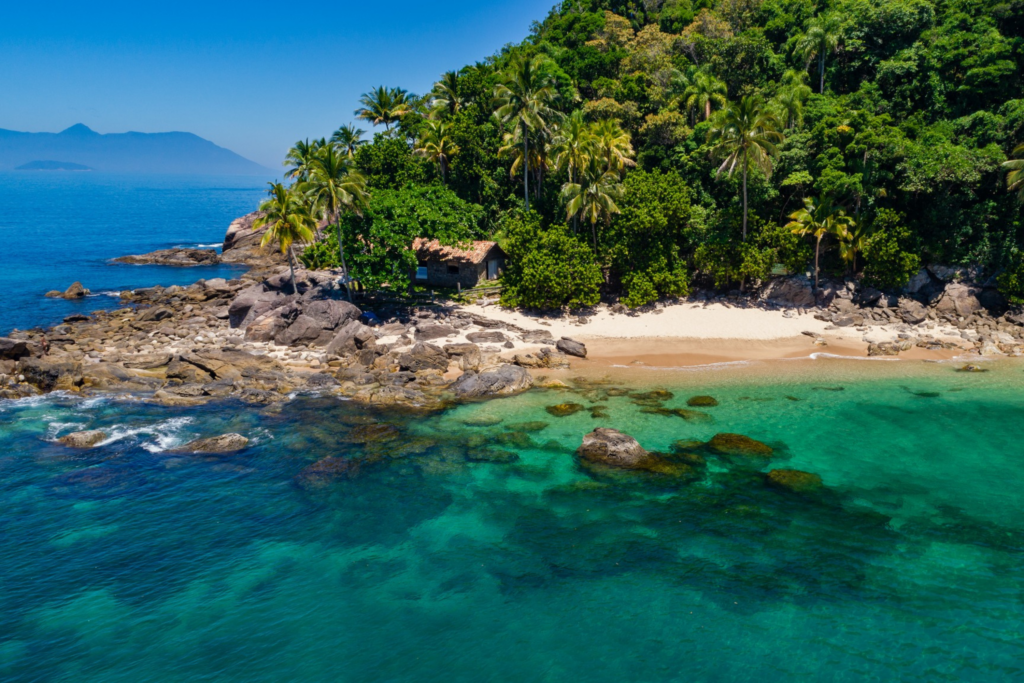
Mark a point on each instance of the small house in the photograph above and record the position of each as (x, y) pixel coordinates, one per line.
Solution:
(441, 266)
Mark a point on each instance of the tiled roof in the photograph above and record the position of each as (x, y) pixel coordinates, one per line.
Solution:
(432, 250)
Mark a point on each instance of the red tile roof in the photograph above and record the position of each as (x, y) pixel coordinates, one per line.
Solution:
(432, 250)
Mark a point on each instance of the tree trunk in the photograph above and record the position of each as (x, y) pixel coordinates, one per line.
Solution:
(744, 194)
(526, 166)
(707, 109)
(593, 229)
(821, 70)
(291, 266)
(817, 249)
(341, 253)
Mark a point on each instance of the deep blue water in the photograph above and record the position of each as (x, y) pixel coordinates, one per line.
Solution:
(57, 228)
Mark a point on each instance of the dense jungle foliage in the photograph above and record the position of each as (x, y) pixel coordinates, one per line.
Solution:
(638, 148)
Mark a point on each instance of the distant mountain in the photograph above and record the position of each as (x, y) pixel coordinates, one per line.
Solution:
(124, 152)
(53, 166)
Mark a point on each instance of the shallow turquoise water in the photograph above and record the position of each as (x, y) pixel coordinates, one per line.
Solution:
(130, 563)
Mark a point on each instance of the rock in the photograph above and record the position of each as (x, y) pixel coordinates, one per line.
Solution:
(424, 356)
(505, 381)
(487, 337)
(325, 471)
(76, 318)
(225, 443)
(890, 348)
(468, 354)
(51, 375)
(75, 291)
(253, 302)
(14, 349)
(794, 480)
(242, 244)
(148, 361)
(912, 312)
(796, 291)
(493, 455)
(330, 313)
(155, 314)
(381, 432)
(571, 347)
(86, 439)
(702, 402)
(959, 299)
(919, 282)
(564, 409)
(303, 330)
(182, 257)
(945, 273)
(613, 448)
(350, 337)
(972, 367)
(538, 337)
(429, 331)
(739, 445)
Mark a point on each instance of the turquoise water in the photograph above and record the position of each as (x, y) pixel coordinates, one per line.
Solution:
(61, 227)
(131, 563)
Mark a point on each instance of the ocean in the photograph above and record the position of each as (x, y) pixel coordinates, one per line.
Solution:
(428, 559)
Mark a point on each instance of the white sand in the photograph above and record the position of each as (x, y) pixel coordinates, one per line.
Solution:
(679, 321)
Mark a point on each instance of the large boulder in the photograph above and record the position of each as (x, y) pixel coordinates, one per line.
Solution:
(795, 291)
(182, 257)
(424, 356)
(75, 291)
(50, 375)
(253, 302)
(303, 330)
(959, 299)
(737, 445)
(14, 349)
(350, 338)
(467, 354)
(431, 331)
(912, 312)
(331, 313)
(225, 443)
(86, 439)
(922, 282)
(571, 347)
(504, 381)
(487, 337)
(613, 448)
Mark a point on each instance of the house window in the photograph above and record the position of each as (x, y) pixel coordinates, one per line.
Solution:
(421, 270)
(453, 270)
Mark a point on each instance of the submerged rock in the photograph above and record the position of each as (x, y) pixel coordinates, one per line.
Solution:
(225, 443)
(613, 448)
(373, 433)
(739, 445)
(564, 409)
(794, 480)
(529, 427)
(505, 381)
(972, 367)
(702, 402)
(182, 257)
(657, 395)
(326, 471)
(86, 439)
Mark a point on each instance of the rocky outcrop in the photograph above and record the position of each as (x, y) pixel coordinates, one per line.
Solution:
(740, 446)
(75, 291)
(571, 347)
(180, 257)
(225, 443)
(86, 439)
(242, 244)
(14, 349)
(612, 448)
(794, 481)
(506, 380)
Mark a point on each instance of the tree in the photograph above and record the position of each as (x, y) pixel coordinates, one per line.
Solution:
(791, 98)
(298, 157)
(523, 100)
(889, 252)
(287, 220)
(384, 105)
(436, 145)
(612, 145)
(818, 220)
(594, 196)
(348, 138)
(745, 135)
(704, 92)
(333, 187)
(822, 36)
(573, 145)
(1015, 172)
(446, 97)
(851, 242)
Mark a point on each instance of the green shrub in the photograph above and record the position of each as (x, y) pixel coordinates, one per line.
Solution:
(889, 254)
(1011, 282)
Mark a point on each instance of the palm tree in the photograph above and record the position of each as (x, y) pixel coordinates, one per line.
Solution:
(818, 220)
(594, 196)
(704, 92)
(745, 134)
(298, 157)
(1015, 172)
(333, 187)
(612, 144)
(523, 100)
(434, 144)
(573, 144)
(791, 97)
(851, 242)
(446, 93)
(287, 220)
(349, 138)
(384, 105)
(822, 36)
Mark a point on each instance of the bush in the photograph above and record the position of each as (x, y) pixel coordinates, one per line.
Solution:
(734, 263)
(548, 269)
(1011, 282)
(889, 255)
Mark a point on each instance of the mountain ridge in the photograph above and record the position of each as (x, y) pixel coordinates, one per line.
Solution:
(129, 152)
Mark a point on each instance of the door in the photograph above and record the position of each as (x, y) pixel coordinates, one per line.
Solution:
(492, 269)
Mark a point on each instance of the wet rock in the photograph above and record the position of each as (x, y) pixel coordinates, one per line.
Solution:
(890, 348)
(424, 356)
(482, 421)
(688, 415)
(181, 257)
(794, 481)
(51, 375)
(504, 381)
(612, 448)
(492, 455)
(322, 380)
(655, 396)
(739, 445)
(430, 331)
(326, 471)
(702, 402)
(14, 349)
(148, 361)
(225, 443)
(564, 409)
(599, 412)
(571, 347)
(373, 433)
(75, 291)
(972, 367)
(487, 337)
(529, 427)
(86, 439)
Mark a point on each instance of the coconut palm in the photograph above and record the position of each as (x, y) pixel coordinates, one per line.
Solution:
(512, 146)
(298, 157)
(446, 93)
(523, 101)
(791, 97)
(746, 134)
(704, 92)
(573, 144)
(612, 145)
(436, 145)
(1015, 172)
(334, 187)
(287, 220)
(384, 105)
(348, 138)
(822, 37)
(593, 197)
(851, 242)
(818, 220)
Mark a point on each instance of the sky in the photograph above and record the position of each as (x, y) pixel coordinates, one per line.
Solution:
(253, 77)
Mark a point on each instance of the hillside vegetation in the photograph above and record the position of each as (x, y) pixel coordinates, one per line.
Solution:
(638, 148)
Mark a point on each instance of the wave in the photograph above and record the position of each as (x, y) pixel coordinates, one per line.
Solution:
(702, 366)
(116, 293)
(835, 356)
(163, 435)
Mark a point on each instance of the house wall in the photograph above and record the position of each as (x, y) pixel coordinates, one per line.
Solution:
(468, 276)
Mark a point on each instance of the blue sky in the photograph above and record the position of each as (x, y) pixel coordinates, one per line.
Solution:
(252, 77)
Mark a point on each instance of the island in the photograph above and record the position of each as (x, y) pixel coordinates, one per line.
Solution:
(53, 166)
